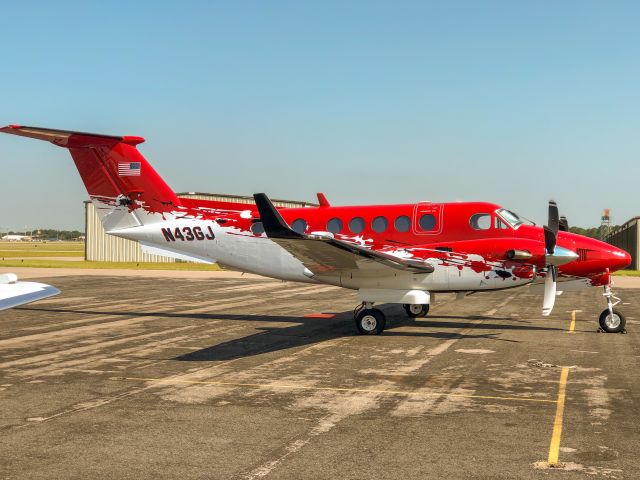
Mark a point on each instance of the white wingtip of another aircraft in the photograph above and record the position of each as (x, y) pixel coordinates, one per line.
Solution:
(14, 293)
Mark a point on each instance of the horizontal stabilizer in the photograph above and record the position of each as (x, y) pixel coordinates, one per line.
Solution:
(68, 138)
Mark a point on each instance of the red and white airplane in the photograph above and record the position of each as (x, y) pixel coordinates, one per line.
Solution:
(388, 253)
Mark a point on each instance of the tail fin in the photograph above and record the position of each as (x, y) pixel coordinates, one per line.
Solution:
(123, 186)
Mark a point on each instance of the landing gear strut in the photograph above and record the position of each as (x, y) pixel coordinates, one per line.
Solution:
(415, 310)
(611, 320)
(369, 320)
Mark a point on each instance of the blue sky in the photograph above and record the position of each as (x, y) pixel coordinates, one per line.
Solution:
(370, 102)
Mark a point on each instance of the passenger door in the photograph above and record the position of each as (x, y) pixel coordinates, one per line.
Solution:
(427, 219)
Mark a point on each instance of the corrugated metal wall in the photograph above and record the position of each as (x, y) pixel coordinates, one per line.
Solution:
(101, 247)
(626, 237)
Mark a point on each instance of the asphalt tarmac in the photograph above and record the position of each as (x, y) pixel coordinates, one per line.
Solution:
(249, 378)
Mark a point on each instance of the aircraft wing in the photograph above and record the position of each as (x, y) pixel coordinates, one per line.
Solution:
(322, 254)
(14, 293)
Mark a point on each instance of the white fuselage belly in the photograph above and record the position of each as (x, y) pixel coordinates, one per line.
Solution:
(239, 250)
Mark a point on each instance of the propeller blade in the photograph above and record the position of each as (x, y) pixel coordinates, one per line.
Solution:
(550, 287)
(564, 224)
(550, 239)
(554, 219)
(551, 229)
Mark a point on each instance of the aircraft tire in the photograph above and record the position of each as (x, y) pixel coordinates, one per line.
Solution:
(611, 324)
(370, 321)
(413, 312)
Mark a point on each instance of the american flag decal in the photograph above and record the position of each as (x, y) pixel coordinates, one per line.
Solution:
(129, 169)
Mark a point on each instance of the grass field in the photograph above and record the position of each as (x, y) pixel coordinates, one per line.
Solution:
(628, 273)
(29, 254)
(37, 249)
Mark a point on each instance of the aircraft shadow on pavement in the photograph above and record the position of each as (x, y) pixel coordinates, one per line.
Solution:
(303, 331)
(310, 331)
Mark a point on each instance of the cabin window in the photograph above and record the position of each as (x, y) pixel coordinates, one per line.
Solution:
(480, 221)
(500, 225)
(513, 219)
(334, 225)
(356, 225)
(257, 228)
(427, 222)
(379, 224)
(402, 224)
(299, 225)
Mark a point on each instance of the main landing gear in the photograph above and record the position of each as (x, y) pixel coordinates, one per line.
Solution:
(611, 320)
(372, 321)
(369, 320)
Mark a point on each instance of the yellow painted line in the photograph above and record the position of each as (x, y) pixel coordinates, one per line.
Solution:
(554, 447)
(339, 389)
(572, 326)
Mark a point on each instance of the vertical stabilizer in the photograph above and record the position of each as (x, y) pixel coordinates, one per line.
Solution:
(123, 186)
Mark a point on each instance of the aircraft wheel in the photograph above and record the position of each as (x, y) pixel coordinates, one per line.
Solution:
(370, 321)
(416, 310)
(612, 323)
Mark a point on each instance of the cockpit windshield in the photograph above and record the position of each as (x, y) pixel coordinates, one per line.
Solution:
(513, 219)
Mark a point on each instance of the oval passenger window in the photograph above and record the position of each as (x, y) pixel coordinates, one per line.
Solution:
(257, 228)
(334, 225)
(402, 224)
(356, 225)
(299, 226)
(427, 222)
(379, 224)
(480, 221)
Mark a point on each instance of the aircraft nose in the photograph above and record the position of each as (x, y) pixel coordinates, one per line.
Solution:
(620, 259)
(627, 259)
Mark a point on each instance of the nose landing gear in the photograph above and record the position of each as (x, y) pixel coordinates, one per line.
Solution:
(611, 320)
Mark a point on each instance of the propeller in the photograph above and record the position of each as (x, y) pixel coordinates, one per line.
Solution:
(550, 287)
(551, 229)
(564, 224)
(550, 241)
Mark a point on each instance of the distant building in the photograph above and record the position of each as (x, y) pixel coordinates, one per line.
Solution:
(17, 238)
(106, 248)
(626, 237)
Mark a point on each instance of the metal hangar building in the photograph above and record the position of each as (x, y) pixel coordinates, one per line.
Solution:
(626, 237)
